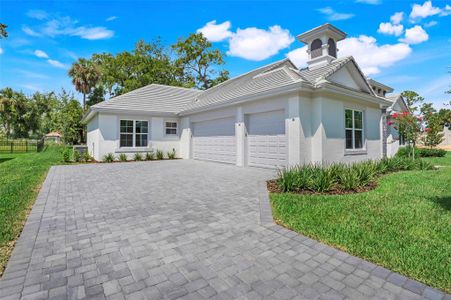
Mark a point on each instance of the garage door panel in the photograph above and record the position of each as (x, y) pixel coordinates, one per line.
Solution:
(267, 142)
(214, 140)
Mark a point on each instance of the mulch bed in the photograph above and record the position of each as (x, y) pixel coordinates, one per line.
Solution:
(273, 187)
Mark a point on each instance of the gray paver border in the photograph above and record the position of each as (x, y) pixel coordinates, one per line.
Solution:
(416, 287)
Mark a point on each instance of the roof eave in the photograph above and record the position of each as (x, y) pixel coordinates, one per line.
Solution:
(355, 94)
(92, 112)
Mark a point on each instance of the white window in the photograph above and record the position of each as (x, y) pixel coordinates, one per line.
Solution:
(133, 133)
(354, 129)
(171, 128)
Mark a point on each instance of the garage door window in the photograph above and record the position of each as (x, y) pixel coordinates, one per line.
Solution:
(171, 128)
(354, 129)
(133, 133)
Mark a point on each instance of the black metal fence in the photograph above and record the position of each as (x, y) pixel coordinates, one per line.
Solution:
(15, 146)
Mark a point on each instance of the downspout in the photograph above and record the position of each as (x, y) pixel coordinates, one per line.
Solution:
(384, 132)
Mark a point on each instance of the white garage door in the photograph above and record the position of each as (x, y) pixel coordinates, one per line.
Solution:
(215, 140)
(267, 142)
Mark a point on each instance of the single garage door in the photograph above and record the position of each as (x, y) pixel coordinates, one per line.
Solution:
(215, 140)
(267, 142)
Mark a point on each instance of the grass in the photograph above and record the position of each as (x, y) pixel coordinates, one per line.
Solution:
(20, 178)
(404, 224)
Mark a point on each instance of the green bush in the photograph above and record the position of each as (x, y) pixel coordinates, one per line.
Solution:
(77, 156)
(122, 157)
(86, 157)
(171, 154)
(160, 154)
(421, 152)
(138, 157)
(108, 158)
(66, 155)
(150, 155)
(344, 177)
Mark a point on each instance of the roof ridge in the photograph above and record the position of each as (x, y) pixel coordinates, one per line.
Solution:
(247, 73)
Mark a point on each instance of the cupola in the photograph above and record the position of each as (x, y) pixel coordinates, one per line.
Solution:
(322, 44)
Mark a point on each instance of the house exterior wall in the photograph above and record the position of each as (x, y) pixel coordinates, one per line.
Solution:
(328, 129)
(103, 135)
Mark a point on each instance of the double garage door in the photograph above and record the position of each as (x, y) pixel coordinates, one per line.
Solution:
(266, 143)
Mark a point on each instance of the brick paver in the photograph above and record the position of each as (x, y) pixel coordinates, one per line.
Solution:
(178, 229)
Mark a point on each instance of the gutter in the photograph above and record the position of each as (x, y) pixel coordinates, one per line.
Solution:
(94, 110)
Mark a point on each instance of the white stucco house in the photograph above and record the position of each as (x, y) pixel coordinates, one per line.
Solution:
(273, 116)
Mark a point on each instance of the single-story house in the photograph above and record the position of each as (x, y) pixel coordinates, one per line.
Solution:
(273, 116)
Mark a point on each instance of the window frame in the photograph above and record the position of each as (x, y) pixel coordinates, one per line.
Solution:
(134, 133)
(353, 130)
(166, 128)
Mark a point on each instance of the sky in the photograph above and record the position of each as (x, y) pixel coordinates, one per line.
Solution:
(403, 44)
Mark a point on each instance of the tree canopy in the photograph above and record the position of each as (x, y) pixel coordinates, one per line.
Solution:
(3, 32)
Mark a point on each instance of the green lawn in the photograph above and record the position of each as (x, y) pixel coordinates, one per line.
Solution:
(20, 178)
(404, 224)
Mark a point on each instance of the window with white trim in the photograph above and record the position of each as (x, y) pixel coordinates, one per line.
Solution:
(133, 133)
(171, 128)
(354, 129)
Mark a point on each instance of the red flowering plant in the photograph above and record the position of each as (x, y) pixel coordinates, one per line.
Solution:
(408, 126)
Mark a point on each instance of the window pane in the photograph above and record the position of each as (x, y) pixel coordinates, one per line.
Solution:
(171, 131)
(358, 139)
(171, 125)
(126, 140)
(141, 126)
(358, 119)
(127, 126)
(348, 139)
(141, 140)
(348, 117)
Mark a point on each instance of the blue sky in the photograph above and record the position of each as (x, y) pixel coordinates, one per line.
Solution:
(404, 44)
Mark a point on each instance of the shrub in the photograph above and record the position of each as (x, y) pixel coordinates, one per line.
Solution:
(160, 154)
(77, 156)
(138, 157)
(287, 180)
(321, 179)
(66, 155)
(86, 157)
(424, 152)
(348, 179)
(171, 154)
(108, 158)
(150, 155)
(122, 157)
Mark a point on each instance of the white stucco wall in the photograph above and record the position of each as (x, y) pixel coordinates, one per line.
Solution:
(103, 135)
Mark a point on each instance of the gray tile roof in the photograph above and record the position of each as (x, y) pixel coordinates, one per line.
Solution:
(152, 98)
(173, 100)
(269, 77)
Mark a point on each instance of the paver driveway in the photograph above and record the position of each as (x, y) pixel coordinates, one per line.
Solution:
(177, 229)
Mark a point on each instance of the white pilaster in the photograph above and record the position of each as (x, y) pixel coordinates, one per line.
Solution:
(185, 138)
(240, 135)
(317, 130)
(293, 131)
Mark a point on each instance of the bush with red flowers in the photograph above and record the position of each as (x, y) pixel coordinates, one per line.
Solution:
(409, 126)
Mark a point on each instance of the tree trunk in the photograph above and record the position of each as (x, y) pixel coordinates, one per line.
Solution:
(84, 101)
(413, 150)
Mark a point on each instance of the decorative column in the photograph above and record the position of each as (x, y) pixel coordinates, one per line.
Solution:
(293, 131)
(185, 138)
(240, 136)
(384, 132)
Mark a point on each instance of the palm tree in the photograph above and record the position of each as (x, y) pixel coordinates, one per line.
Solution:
(85, 76)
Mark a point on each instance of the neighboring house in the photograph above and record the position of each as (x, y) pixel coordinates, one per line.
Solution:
(394, 139)
(277, 115)
(53, 136)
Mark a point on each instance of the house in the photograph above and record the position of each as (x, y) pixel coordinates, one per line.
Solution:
(53, 136)
(273, 116)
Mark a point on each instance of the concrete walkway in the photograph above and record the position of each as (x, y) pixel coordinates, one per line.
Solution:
(178, 229)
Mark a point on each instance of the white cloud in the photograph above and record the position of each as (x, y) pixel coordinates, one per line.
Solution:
(112, 18)
(390, 29)
(65, 26)
(1, 50)
(258, 44)
(332, 15)
(396, 18)
(423, 11)
(56, 63)
(373, 2)
(216, 32)
(37, 14)
(415, 35)
(30, 31)
(430, 24)
(40, 54)
(370, 56)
